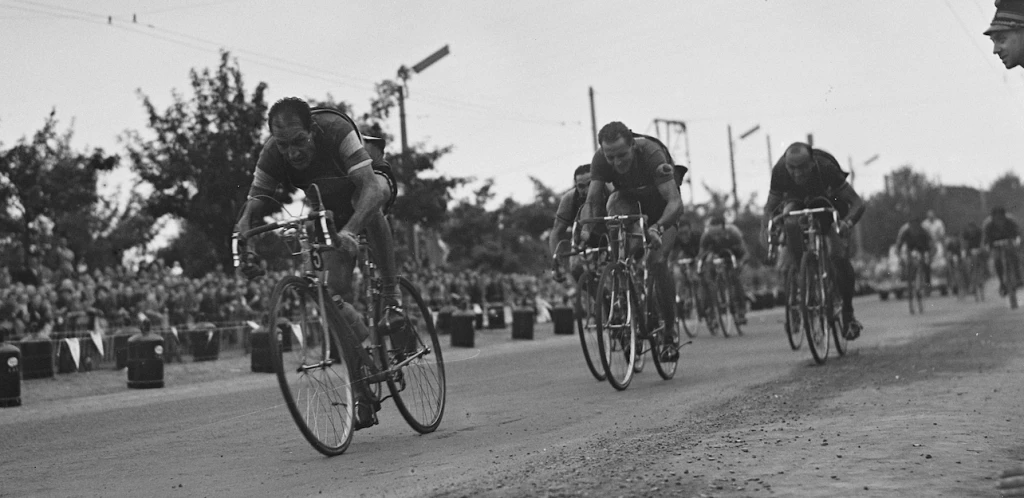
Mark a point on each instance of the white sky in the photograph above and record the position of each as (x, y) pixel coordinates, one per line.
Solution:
(913, 81)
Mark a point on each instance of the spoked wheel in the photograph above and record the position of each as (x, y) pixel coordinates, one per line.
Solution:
(317, 385)
(1010, 277)
(920, 290)
(794, 330)
(687, 314)
(661, 343)
(723, 302)
(617, 324)
(585, 309)
(415, 364)
(814, 310)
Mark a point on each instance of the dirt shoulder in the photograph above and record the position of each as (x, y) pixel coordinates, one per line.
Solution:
(936, 416)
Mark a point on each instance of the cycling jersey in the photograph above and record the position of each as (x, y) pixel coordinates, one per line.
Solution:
(718, 239)
(568, 211)
(993, 230)
(914, 237)
(953, 246)
(339, 152)
(688, 243)
(640, 182)
(827, 179)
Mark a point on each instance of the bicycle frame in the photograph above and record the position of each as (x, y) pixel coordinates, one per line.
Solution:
(816, 249)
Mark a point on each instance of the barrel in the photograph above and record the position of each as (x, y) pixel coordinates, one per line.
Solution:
(145, 361)
(204, 341)
(522, 323)
(496, 316)
(444, 320)
(10, 375)
(561, 317)
(463, 333)
(261, 359)
(36, 358)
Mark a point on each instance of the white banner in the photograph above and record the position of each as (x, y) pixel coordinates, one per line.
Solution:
(253, 325)
(174, 330)
(97, 339)
(209, 337)
(74, 348)
(297, 330)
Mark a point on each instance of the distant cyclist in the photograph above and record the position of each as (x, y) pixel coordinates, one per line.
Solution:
(912, 237)
(571, 207)
(1001, 226)
(646, 182)
(803, 175)
(725, 240)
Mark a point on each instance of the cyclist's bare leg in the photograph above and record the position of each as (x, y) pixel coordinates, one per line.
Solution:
(663, 279)
(739, 297)
(845, 278)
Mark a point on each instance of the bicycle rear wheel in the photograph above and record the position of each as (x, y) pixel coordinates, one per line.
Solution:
(311, 368)
(586, 289)
(835, 317)
(814, 308)
(658, 336)
(416, 380)
(794, 329)
(617, 323)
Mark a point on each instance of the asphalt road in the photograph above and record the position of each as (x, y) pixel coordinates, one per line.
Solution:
(518, 411)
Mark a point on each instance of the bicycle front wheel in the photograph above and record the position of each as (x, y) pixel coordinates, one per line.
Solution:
(794, 330)
(617, 323)
(416, 379)
(686, 307)
(723, 300)
(661, 343)
(585, 309)
(814, 308)
(311, 368)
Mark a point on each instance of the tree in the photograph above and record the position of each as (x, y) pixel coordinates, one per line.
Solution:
(44, 179)
(1008, 192)
(200, 160)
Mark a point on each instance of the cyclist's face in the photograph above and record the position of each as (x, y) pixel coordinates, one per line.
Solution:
(618, 153)
(801, 173)
(1009, 46)
(583, 184)
(293, 141)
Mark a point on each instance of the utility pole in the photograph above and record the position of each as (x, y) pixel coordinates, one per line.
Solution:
(810, 139)
(771, 165)
(732, 168)
(404, 74)
(593, 120)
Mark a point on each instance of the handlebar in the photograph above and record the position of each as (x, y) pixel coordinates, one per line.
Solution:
(819, 210)
(295, 221)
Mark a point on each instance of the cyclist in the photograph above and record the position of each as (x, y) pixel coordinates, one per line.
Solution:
(323, 147)
(955, 267)
(913, 237)
(646, 182)
(571, 207)
(725, 239)
(1007, 32)
(801, 175)
(1001, 226)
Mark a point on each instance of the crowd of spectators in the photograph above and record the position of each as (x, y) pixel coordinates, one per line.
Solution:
(50, 297)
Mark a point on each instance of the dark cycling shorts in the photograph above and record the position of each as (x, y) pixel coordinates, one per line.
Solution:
(341, 203)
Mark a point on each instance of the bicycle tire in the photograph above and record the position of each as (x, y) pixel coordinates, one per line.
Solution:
(812, 307)
(617, 323)
(585, 311)
(419, 387)
(314, 375)
(723, 302)
(794, 328)
(920, 284)
(657, 335)
(1010, 278)
(687, 311)
(835, 321)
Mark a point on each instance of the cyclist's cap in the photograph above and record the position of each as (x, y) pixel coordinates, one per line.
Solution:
(1009, 16)
(378, 141)
(718, 219)
(797, 155)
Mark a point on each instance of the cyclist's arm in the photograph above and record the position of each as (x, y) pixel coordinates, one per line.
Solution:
(556, 234)
(770, 206)
(595, 196)
(670, 193)
(848, 195)
(254, 207)
(369, 196)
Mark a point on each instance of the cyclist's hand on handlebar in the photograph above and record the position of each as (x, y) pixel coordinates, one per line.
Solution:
(348, 242)
(654, 238)
(250, 267)
(843, 227)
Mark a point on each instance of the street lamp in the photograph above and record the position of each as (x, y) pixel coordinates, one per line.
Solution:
(732, 164)
(403, 73)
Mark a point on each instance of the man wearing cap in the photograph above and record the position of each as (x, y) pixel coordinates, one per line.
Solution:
(808, 177)
(571, 208)
(1007, 32)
